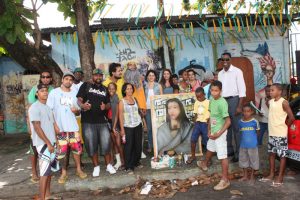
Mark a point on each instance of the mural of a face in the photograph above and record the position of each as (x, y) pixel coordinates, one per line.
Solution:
(269, 72)
(268, 66)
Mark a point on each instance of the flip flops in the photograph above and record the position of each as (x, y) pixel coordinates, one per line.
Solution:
(190, 160)
(53, 198)
(201, 166)
(35, 179)
(276, 184)
(81, 175)
(265, 180)
(62, 179)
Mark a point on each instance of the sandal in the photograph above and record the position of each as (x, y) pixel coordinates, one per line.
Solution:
(190, 160)
(81, 175)
(52, 198)
(264, 180)
(276, 184)
(201, 166)
(62, 179)
(35, 179)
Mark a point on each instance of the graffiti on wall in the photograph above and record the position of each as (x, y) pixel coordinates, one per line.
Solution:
(14, 108)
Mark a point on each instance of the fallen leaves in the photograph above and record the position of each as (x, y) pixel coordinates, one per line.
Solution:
(168, 188)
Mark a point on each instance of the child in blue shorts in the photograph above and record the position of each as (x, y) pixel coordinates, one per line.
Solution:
(201, 117)
(248, 156)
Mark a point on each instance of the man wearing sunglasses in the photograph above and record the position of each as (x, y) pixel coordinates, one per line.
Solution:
(234, 91)
(45, 79)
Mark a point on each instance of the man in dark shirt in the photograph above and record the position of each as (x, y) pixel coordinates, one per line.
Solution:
(93, 99)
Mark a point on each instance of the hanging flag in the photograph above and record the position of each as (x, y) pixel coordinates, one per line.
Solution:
(170, 13)
(131, 12)
(180, 14)
(124, 9)
(95, 36)
(74, 37)
(247, 24)
(230, 24)
(111, 5)
(215, 27)
(57, 38)
(138, 16)
(146, 34)
(191, 29)
(159, 14)
(238, 24)
(145, 10)
(102, 40)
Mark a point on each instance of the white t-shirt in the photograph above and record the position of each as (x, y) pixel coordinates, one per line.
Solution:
(61, 102)
(76, 86)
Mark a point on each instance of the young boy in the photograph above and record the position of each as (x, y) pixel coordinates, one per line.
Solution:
(201, 118)
(263, 117)
(217, 131)
(279, 109)
(43, 137)
(248, 156)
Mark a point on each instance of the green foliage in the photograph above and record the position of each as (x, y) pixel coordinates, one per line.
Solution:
(14, 22)
(67, 8)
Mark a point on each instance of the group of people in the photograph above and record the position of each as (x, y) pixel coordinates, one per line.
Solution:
(110, 115)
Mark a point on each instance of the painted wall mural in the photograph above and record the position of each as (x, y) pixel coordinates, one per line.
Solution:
(13, 98)
(268, 56)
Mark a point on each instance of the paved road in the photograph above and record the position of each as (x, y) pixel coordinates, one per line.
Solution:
(260, 191)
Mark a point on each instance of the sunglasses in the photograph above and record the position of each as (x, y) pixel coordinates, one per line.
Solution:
(45, 76)
(225, 59)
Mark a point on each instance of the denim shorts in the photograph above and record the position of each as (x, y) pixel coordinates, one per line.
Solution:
(200, 128)
(96, 135)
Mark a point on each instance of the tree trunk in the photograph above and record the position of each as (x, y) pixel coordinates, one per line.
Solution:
(36, 60)
(85, 40)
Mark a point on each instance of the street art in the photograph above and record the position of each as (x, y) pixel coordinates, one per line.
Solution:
(125, 55)
(14, 103)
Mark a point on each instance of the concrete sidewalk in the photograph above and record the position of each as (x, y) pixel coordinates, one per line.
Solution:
(15, 171)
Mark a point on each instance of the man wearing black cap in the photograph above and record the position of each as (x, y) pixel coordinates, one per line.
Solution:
(93, 99)
(78, 74)
(63, 102)
(42, 127)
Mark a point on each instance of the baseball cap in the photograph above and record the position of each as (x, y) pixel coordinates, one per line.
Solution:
(41, 86)
(97, 71)
(68, 74)
(78, 69)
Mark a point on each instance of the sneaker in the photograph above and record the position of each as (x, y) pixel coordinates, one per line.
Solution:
(111, 169)
(222, 185)
(117, 165)
(96, 171)
(143, 155)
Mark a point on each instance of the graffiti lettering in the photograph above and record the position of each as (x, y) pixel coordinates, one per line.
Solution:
(126, 54)
(14, 89)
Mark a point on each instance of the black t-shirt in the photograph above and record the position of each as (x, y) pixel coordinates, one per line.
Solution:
(95, 94)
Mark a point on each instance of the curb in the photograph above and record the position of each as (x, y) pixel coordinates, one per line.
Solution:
(122, 180)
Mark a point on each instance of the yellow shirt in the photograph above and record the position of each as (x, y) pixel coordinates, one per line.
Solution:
(119, 83)
(201, 108)
(277, 117)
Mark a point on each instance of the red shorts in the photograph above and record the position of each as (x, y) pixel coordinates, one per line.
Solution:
(68, 140)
